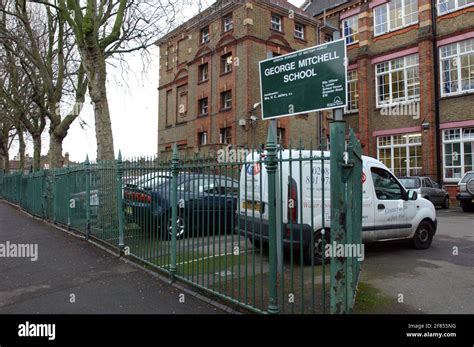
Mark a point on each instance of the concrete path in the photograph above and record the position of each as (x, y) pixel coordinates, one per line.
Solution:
(72, 276)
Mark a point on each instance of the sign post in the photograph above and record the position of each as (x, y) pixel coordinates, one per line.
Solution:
(279, 227)
(310, 80)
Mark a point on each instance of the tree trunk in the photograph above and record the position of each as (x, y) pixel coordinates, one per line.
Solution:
(4, 155)
(105, 141)
(36, 151)
(98, 93)
(6, 161)
(22, 149)
(55, 154)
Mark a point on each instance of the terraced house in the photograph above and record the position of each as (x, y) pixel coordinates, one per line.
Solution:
(411, 81)
(209, 74)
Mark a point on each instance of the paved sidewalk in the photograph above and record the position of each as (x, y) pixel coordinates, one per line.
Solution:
(68, 267)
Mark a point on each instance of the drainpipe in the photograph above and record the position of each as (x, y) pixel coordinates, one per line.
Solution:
(439, 159)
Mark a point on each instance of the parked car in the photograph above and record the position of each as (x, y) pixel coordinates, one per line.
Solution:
(428, 189)
(466, 192)
(390, 212)
(207, 203)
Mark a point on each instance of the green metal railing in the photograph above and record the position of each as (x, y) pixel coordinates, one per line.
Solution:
(248, 226)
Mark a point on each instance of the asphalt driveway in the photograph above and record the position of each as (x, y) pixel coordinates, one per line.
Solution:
(439, 280)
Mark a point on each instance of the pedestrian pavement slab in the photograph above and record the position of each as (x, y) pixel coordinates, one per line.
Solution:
(72, 276)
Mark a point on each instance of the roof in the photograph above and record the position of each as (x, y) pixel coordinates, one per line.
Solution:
(285, 4)
(318, 6)
(216, 10)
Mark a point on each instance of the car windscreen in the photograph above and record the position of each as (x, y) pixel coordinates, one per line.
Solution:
(149, 181)
(468, 177)
(410, 183)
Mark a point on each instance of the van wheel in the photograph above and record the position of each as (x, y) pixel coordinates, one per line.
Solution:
(446, 203)
(314, 251)
(423, 236)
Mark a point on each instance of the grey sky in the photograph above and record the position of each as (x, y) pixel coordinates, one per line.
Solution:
(133, 99)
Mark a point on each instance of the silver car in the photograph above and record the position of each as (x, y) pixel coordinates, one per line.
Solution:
(466, 192)
(428, 189)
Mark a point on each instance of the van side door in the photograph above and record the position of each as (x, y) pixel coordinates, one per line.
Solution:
(390, 221)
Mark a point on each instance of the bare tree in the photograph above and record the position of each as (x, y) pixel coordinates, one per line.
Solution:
(110, 29)
(17, 96)
(42, 42)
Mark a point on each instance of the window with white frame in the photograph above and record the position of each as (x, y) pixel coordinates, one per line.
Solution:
(350, 29)
(402, 154)
(226, 100)
(204, 72)
(299, 31)
(398, 81)
(281, 136)
(225, 136)
(446, 6)
(457, 67)
(202, 138)
(205, 37)
(276, 22)
(203, 106)
(226, 63)
(394, 15)
(353, 93)
(228, 23)
(458, 153)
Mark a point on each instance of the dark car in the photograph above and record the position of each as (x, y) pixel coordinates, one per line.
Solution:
(427, 188)
(206, 204)
(466, 192)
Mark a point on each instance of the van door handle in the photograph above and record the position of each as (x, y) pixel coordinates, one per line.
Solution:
(381, 207)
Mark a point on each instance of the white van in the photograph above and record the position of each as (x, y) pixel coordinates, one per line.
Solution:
(390, 212)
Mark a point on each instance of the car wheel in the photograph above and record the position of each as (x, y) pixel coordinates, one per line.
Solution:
(180, 228)
(314, 251)
(446, 203)
(467, 208)
(423, 236)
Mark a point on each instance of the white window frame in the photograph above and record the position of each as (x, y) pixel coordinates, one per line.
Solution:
(202, 107)
(407, 145)
(281, 136)
(390, 72)
(205, 36)
(299, 33)
(461, 140)
(355, 81)
(228, 23)
(442, 11)
(203, 72)
(386, 21)
(277, 25)
(225, 134)
(227, 61)
(457, 59)
(203, 138)
(353, 37)
(227, 101)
